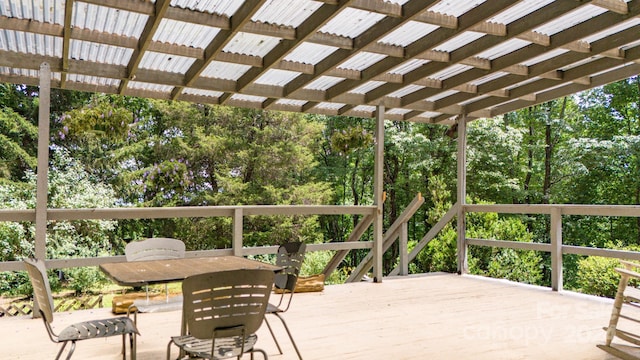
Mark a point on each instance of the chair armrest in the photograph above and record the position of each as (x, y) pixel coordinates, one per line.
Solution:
(629, 265)
(629, 273)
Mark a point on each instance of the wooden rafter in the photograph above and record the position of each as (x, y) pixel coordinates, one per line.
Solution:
(150, 28)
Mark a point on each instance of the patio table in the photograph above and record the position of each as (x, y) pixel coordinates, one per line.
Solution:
(139, 273)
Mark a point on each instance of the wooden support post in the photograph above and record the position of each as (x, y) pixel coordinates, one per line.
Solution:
(42, 186)
(378, 195)
(42, 171)
(463, 266)
(403, 264)
(237, 231)
(556, 249)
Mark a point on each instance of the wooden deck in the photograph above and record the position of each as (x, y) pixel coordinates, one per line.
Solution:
(435, 316)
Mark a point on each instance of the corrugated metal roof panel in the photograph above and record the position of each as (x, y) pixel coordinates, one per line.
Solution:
(488, 78)
(408, 33)
(323, 83)
(519, 10)
(408, 66)
(110, 20)
(612, 30)
(398, 111)
(364, 108)
(429, 114)
(351, 22)
(225, 70)
(182, 33)
(441, 95)
(330, 105)
(450, 71)
(546, 56)
(406, 90)
(165, 62)
(34, 9)
(101, 53)
(150, 87)
(291, 102)
(502, 49)
(30, 43)
(251, 44)
(459, 41)
(277, 77)
(361, 61)
(570, 19)
(21, 72)
(286, 12)
(366, 87)
(220, 7)
(200, 92)
(455, 7)
(310, 53)
(93, 80)
(249, 98)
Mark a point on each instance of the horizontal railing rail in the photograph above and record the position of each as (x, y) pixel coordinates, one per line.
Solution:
(557, 248)
(235, 212)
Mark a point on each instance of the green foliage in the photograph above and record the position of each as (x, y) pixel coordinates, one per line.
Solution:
(596, 276)
(69, 187)
(16, 158)
(314, 263)
(516, 265)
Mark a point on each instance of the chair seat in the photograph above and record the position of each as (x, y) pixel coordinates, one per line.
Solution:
(225, 347)
(98, 328)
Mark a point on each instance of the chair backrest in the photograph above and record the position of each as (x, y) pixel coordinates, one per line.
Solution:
(154, 249)
(41, 288)
(231, 303)
(290, 257)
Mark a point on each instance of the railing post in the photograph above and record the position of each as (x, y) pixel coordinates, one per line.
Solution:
(402, 245)
(463, 266)
(378, 195)
(42, 185)
(556, 249)
(237, 231)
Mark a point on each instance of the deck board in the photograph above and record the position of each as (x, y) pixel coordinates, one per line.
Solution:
(434, 316)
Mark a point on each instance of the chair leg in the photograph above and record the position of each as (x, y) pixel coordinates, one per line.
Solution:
(71, 350)
(617, 307)
(64, 344)
(124, 347)
(273, 335)
(264, 353)
(133, 339)
(290, 336)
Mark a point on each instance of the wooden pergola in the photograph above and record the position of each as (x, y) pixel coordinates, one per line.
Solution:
(405, 60)
(425, 60)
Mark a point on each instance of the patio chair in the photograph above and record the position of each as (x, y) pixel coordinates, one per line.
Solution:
(155, 249)
(221, 312)
(81, 331)
(290, 257)
(625, 306)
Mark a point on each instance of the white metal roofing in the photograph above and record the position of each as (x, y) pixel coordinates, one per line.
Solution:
(425, 60)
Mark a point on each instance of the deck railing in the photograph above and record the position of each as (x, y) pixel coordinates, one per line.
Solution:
(556, 246)
(237, 213)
